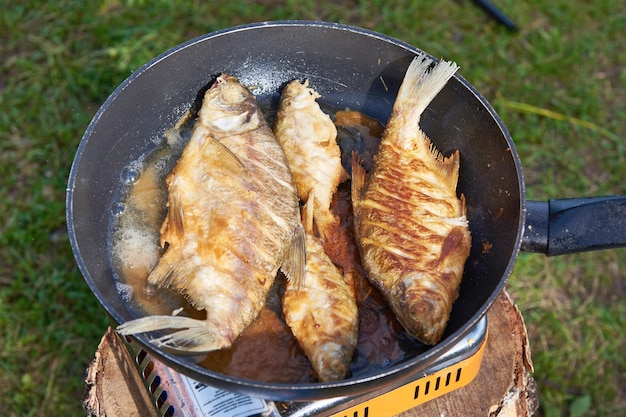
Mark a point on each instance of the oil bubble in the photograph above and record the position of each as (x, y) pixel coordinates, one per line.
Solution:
(118, 209)
(125, 291)
(130, 175)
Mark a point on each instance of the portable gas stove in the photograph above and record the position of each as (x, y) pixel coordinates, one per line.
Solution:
(176, 395)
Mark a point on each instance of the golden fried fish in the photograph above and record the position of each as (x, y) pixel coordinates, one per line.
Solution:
(309, 139)
(411, 228)
(233, 219)
(322, 312)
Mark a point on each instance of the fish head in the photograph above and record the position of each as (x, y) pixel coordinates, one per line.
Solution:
(422, 305)
(230, 107)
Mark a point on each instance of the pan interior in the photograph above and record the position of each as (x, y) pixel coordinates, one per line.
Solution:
(134, 119)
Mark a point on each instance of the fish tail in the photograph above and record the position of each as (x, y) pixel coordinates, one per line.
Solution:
(422, 83)
(192, 336)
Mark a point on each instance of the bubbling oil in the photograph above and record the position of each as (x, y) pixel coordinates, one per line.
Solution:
(135, 249)
(136, 220)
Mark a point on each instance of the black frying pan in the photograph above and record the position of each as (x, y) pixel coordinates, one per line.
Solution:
(353, 68)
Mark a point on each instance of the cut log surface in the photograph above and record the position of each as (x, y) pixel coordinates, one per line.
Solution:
(113, 387)
(504, 386)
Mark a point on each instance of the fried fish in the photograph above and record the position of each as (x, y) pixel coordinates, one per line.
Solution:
(309, 139)
(322, 312)
(411, 228)
(233, 220)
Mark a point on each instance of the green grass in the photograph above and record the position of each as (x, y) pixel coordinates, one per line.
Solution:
(559, 84)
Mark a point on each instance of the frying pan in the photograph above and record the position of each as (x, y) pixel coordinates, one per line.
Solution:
(349, 67)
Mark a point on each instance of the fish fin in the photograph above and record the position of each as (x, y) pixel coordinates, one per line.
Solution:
(457, 240)
(307, 213)
(421, 83)
(169, 272)
(358, 177)
(294, 265)
(192, 336)
(448, 167)
(161, 275)
(174, 228)
(356, 190)
(462, 206)
(226, 157)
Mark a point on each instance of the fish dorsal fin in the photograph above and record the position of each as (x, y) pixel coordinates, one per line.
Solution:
(357, 187)
(358, 178)
(447, 167)
(294, 264)
(422, 83)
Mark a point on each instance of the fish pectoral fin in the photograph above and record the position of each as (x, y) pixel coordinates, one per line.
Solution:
(307, 213)
(294, 264)
(458, 240)
(226, 158)
(192, 336)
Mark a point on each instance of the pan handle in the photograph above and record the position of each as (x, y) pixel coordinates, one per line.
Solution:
(571, 225)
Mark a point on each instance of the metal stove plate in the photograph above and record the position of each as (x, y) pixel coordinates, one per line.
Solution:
(176, 395)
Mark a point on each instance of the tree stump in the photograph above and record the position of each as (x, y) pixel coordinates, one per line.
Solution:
(503, 387)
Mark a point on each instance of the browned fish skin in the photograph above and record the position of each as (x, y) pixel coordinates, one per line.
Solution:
(411, 227)
(309, 138)
(233, 219)
(322, 313)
